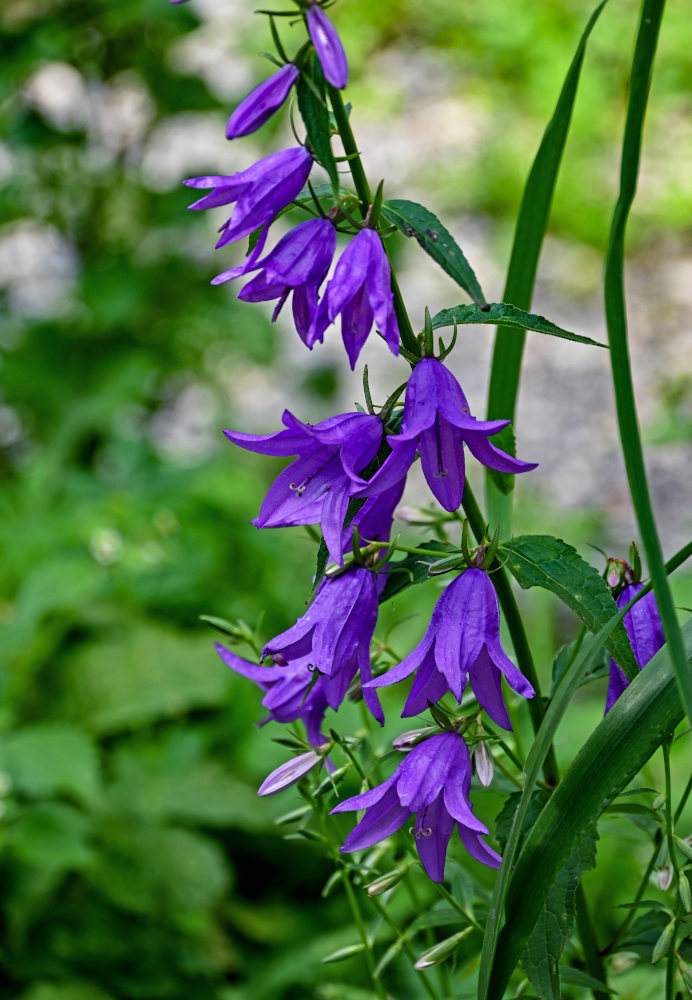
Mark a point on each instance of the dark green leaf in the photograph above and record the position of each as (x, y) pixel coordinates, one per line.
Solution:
(413, 569)
(313, 111)
(564, 656)
(553, 929)
(413, 219)
(505, 817)
(544, 561)
(529, 233)
(504, 314)
(48, 760)
(578, 978)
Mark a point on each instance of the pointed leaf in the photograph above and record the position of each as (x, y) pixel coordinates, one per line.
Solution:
(313, 111)
(413, 219)
(502, 313)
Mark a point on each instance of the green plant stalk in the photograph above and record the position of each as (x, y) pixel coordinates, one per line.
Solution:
(683, 800)
(406, 945)
(587, 936)
(529, 234)
(616, 320)
(363, 188)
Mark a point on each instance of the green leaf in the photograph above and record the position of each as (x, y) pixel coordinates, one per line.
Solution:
(52, 836)
(544, 561)
(413, 219)
(578, 978)
(532, 223)
(616, 321)
(343, 953)
(48, 760)
(412, 569)
(505, 817)
(504, 314)
(68, 990)
(315, 115)
(563, 658)
(553, 929)
(643, 716)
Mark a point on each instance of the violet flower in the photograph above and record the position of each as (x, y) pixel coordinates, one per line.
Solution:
(292, 690)
(360, 290)
(260, 192)
(316, 488)
(260, 105)
(299, 263)
(432, 782)
(462, 641)
(645, 633)
(328, 46)
(437, 423)
(334, 635)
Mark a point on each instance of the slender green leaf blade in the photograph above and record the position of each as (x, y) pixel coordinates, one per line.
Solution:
(530, 231)
(544, 561)
(413, 219)
(315, 114)
(505, 314)
(643, 716)
(576, 977)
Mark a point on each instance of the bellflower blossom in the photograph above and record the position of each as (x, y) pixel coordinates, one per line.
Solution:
(437, 423)
(318, 485)
(462, 641)
(328, 46)
(432, 782)
(292, 690)
(260, 192)
(260, 105)
(299, 262)
(645, 633)
(334, 636)
(360, 290)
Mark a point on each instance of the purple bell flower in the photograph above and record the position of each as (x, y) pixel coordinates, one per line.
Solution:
(645, 633)
(260, 192)
(333, 636)
(292, 690)
(462, 641)
(260, 105)
(360, 290)
(316, 488)
(328, 46)
(437, 423)
(298, 263)
(432, 782)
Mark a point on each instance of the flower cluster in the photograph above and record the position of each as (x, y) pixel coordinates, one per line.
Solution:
(347, 475)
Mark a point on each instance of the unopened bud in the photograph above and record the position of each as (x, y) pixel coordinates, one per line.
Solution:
(289, 773)
(385, 882)
(658, 802)
(686, 973)
(685, 893)
(485, 768)
(343, 953)
(664, 876)
(441, 951)
(684, 846)
(413, 737)
(664, 942)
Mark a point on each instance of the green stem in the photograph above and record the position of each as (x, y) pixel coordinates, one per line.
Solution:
(639, 895)
(360, 181)
(665, 747)
(587, 936)
(407, 946)
(683, 800)
(616, 320)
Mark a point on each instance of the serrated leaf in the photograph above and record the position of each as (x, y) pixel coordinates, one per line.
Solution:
(576, 977)
(313, 111)
(544, 561)
(413, 219)
(553, 929)
(505, 314)
(413, 569)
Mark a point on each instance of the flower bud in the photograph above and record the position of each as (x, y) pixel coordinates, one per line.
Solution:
(385, 882)
(664, 876)
(414, 736)
(437, 954)
(260, 105)
(664, 942)
(685, 892)
(485, 768)
(289, 773)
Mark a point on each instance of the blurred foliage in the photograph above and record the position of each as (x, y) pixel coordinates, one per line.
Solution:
(137, 861)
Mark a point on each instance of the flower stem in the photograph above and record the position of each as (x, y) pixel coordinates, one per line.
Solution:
(360, 181)
(406, 945)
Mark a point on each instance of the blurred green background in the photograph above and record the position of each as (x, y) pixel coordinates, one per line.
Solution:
(137, 861)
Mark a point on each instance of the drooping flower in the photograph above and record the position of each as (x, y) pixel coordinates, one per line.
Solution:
(360, 290)
(260, 192)
(328, 46)
(462, 642)
(432, 782)
(260, 105)
(438, 424)
(645, 632)
(299, 263)
(316, 488)
(333, 636)
(292, 690)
